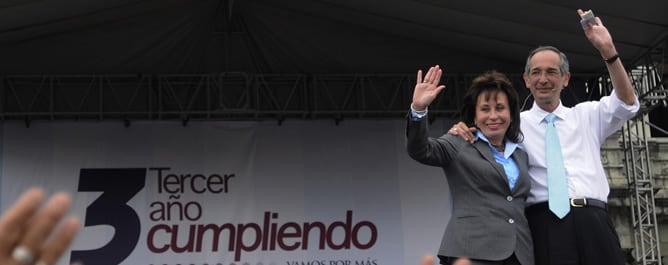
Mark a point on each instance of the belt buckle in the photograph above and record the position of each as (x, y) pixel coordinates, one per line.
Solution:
(575, 204)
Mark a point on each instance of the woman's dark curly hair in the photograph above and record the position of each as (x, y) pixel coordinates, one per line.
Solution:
(488, 85)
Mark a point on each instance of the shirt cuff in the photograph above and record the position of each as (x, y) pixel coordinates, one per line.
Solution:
(630, 109)
(418, 115)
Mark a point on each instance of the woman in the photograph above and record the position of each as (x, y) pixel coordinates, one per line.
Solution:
(488, 179)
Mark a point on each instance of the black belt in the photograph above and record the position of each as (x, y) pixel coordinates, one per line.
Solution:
(575, 203)
(584, 202)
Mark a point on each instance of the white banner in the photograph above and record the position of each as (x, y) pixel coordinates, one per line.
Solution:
(305, 192)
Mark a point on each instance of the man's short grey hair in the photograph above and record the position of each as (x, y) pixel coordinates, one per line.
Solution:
(563, 61)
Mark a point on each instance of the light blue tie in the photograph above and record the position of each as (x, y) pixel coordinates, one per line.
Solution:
(557, 184)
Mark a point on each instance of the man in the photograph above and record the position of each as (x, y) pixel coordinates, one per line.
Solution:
(584, 235)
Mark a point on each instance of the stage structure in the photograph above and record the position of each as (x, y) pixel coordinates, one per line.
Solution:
(280, 97)
(651, 84)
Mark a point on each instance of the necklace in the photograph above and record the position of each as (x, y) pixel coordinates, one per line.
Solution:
(500, 148)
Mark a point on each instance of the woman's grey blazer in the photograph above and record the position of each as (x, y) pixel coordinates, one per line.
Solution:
(488, 219)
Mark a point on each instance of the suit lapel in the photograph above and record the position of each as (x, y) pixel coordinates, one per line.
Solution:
(521, 161)
(523, 166)
(486, 153)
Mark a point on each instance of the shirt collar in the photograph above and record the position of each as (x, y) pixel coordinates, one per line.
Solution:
(540, 114)
(508, 150)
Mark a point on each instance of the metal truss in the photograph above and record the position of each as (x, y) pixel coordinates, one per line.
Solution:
(231, 96)
(641, 192)
(651, 87)
(224, 96)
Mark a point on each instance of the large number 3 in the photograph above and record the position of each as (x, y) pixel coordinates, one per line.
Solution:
(118, 186)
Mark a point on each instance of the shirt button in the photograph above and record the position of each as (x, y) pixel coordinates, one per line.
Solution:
(511, 221)
(509, 198)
